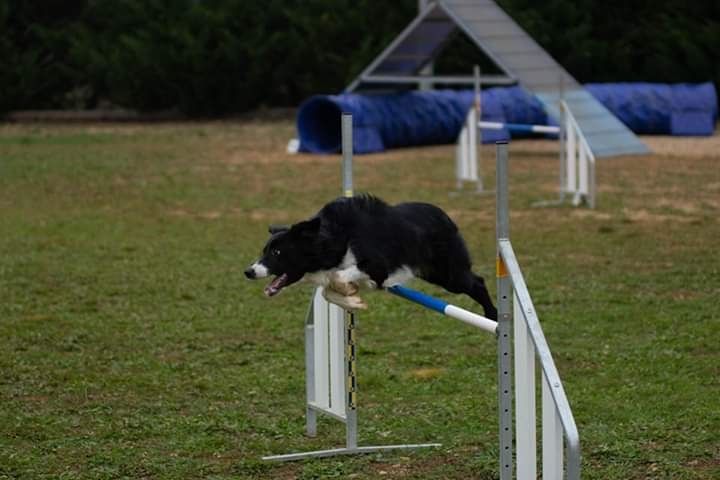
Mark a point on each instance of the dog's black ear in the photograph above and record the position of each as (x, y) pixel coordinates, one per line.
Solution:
(308, 227)
(273, 229)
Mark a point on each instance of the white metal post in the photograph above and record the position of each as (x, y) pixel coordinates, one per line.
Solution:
(564, 121)
(552, 436)
(525, 434)
(472, 170)
(571, 160)
(459, 159)
(322, 377)
(348, 384)
(310, 413)
(337, 355)
(504, 291)
(477, 143)
(582, 193)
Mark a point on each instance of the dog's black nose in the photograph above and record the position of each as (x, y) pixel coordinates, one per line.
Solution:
(250, 273)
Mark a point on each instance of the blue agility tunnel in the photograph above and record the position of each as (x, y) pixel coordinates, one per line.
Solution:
(661, 109)
(382, 122)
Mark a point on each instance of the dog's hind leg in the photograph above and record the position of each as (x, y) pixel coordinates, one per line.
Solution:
(479, 293)
(471, 285)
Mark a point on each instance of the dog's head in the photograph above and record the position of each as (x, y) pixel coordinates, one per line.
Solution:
(286, 255)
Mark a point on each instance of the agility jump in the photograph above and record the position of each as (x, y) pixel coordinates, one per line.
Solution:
(577, 161)
(331, 356)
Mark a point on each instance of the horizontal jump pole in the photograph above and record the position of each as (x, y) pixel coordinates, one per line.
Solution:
(445, 308)
(519, 127)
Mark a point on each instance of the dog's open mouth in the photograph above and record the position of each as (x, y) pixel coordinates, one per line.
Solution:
(274, 287)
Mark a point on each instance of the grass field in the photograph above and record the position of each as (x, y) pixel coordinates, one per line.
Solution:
(133, 347)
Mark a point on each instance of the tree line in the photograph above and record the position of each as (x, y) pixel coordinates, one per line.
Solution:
(217, 57)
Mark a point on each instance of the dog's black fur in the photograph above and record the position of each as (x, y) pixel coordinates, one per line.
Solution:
(382, 238)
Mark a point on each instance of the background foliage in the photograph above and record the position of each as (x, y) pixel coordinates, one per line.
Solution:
(210, 57)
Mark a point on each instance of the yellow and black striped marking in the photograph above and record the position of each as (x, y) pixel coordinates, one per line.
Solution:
(350, 356)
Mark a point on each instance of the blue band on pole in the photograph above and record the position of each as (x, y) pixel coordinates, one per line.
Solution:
(518, 127)
(425, 300)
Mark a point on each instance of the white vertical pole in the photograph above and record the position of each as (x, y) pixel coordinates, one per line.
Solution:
(478, 136)
(472, 173)
(583, 170)
(430, 67)
(348, 352)
(505, 320)
(322, 379)
(552, 437)
(464, 153)
(346, 127)
(459, 162)
(337, 359)
(592, 180)
(571, 159)
(564, 127)
(525, 441)
(310, 414)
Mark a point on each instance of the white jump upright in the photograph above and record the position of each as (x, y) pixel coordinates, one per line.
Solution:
(467, 154)
(559, 459)
(577, 162)
(331, 355)
(578, 175)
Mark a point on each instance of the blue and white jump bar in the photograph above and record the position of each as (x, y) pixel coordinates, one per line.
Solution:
(445, 308)
(519, 127)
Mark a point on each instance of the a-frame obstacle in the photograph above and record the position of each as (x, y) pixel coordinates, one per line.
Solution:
(512, 50)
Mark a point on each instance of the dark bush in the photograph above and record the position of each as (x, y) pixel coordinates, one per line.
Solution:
(213, 57)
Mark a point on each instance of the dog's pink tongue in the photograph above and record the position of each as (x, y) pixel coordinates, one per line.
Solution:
(276, 285)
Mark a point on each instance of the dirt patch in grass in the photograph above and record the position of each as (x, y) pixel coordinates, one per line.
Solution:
(592, 214)
(684, 146)
(645, 216)
(705, 465)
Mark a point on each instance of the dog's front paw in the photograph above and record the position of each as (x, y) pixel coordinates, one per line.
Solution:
(350, 302)
(342, 286)
(354, 302)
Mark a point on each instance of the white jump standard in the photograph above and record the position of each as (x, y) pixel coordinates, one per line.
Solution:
(577, 161)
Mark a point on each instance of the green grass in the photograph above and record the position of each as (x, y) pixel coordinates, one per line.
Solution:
(133, 347)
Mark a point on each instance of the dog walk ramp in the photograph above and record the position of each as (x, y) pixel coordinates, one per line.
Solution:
(522, 59)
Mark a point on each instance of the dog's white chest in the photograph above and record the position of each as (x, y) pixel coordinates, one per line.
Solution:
(348, 272)
(322, 277)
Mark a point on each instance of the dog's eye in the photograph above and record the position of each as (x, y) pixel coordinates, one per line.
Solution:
(275, 252)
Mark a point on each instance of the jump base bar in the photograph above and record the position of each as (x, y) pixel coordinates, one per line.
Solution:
(347, 451)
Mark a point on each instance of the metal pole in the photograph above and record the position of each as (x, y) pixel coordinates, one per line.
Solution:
(478, 118)
(504, 292)
(562, 139)
(350, 382)
(428, 69)
(310, 414)
(347, 154)
(350, 320)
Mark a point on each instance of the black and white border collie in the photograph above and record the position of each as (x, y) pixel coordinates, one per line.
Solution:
(363, 240)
